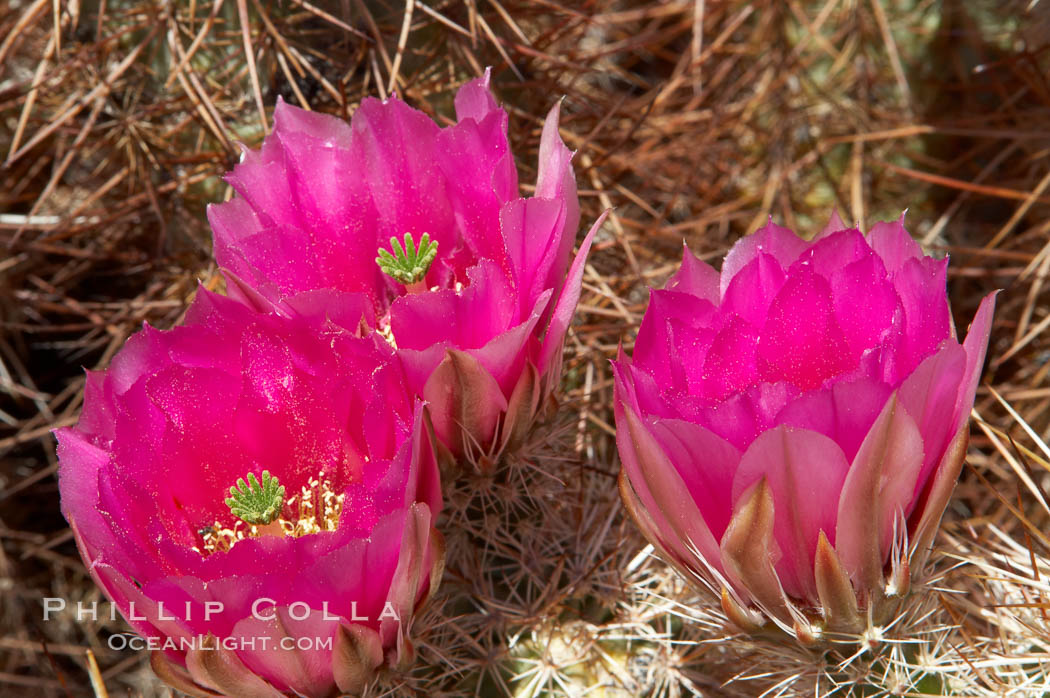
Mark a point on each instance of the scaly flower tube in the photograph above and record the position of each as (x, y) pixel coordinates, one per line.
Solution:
(792, 428)
(478, 298)
(256, 494)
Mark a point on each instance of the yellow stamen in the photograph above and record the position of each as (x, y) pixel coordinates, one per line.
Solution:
(315, 509)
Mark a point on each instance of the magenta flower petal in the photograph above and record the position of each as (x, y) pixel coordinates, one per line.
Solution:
(834, 225)
(844, 413)
(730, 365)
(143, 609)
(270, 249)
(270, 197)
(654, 347)
(744, 415)
(801, 341)
(892, 243)
(644, 392)
(565, 306)
(468, 319)
(503, 356)
(235, 222)
(672, 322)
(753, 288)
(832, 366)
(829, 252)
(926, 317)
(476, 203)
(554, 179)
(865, 303)
(654, 479)
(86, 461)
(930, 395)
(474, 100)
(782, 244)
(533, 233)
(695, 278)
(312, 144)
(687, 444)
(805, 471)
(975, 344)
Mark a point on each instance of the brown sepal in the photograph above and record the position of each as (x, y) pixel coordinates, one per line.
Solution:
(747, 549)
(883, 473)
(178, 678)
(940, 491)
(470, 379)
(437, 565)
(406, 653)
(837, 598)
(688, 565)
(745, 619)
(408, 575)
(357, 654)
(521, 409)
(806, 634)
(221, 669)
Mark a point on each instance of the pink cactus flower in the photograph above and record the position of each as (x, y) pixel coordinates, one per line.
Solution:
(477, 304)
(792, 428)
(301, 579)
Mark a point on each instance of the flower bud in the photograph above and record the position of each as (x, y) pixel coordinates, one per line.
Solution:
(791, 428)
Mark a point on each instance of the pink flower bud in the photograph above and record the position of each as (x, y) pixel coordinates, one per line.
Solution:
(479, 325)
(792, 428)
(316, 596)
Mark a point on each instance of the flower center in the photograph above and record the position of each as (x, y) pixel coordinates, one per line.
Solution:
(408, 266)
(261, 510)
(256, 503)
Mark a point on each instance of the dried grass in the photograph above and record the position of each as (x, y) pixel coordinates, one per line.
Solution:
(696, 120)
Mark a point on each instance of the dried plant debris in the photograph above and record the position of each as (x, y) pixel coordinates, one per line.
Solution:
(696, 121)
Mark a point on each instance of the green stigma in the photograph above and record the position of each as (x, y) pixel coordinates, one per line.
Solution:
(254, 503)
(408, 265)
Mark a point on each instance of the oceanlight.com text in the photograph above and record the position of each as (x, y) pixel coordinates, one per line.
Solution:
(131, 641)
